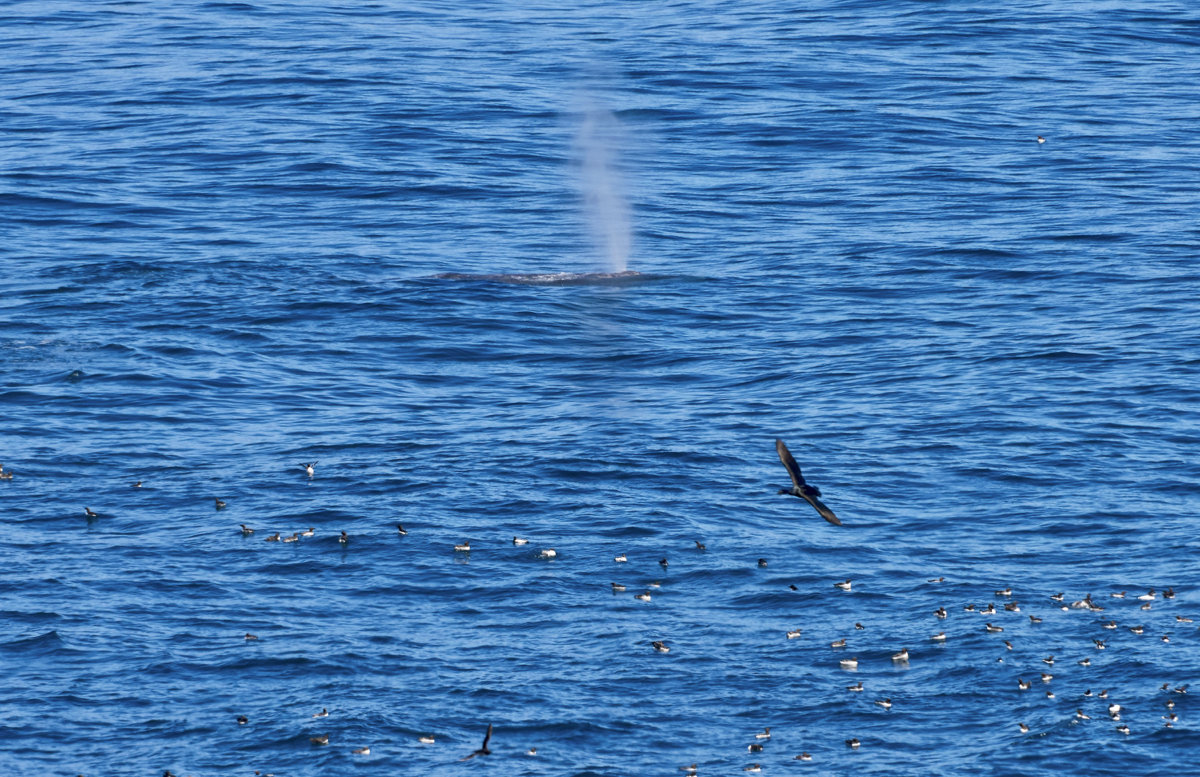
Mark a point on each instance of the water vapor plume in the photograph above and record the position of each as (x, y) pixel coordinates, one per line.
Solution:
(604, 201)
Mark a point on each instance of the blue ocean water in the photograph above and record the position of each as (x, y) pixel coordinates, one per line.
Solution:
(242, 237)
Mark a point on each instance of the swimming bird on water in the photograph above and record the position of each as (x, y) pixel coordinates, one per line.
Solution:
(401, 530)
(324, 713)
(362, 751)
(483, 749)
(660, 646)
(520, 541)
(311, 531)
(426, 740)
(845, 586)
(219, 503)
(309, 468)
(91, 514)
(345, 538)
(764, 734)
(800, 488)
(246, 529)
(242, 720)
(323, 739)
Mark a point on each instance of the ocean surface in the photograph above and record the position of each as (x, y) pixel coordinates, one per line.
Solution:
(565, 272)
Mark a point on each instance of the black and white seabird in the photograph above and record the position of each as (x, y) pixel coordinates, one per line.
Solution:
(483, 749)
(800, 488)
(246, 529)
(660, 646)
(91, 514)
(401, 530)
(242, 720)
(323, 739)
(309, 469)
(219, 503)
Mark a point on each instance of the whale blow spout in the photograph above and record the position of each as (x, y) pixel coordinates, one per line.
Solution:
(603, 197)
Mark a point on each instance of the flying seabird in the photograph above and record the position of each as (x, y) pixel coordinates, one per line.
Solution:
(800, 488)
(483, 749)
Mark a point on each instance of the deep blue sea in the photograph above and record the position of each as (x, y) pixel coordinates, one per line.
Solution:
(564, 272)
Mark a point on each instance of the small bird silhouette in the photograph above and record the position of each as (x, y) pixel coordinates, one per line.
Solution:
(310, 469)
(220, 504)
(91, 514)
(483, 750)
(800, 488)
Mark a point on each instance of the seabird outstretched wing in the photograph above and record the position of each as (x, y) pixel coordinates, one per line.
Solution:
(825, 512)
(792, 467)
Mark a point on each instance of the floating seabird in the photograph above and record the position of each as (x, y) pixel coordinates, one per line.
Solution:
(1181, 619)
(845, 585)
(800, 488)
(644, 596)
(793, 634)
(1147, 597)
(1084, 662)
(1034, 619)
(242, 720)
(1048, 660)
(548, 553)
(1099, 644)
(250, 636)
(520, 541)
(294, 538)
(531, 751)
(1008, 644)
(1023, 684)
(1081, 715)
(1169, 593)
(762, 562)
(311, 531)
(621, 559)
(803, 757)
(1123, 729)
(838, 643)
(137, 484)
(660, 646)
(1109, 624)
(617, 588)
(362, 751)
(994, 629)
(1047, 677)
(699, 545)
(1023, 727)
(752, 768)
(1118, 595)
(220, 505)
(323, 739)
(1058, 597)
(885, 703)
(940, 612)
(853, 743)
(463, 548)
(756, 748)
(1005, 592)
(849, 663)
(426, 740)
(246, 529)
(662, 563)
(91, 514)
(939, 637)
(901, 656)
(345, 538)
(324, 713)
(309, 468)
(764, 734)
(857, 687)
(401, 530)
(1040, 140)
(273, 538)
(1137, 629)
(483, 749)
(859, 626)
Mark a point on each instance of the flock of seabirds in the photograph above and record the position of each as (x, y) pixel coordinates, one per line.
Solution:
(811, 494)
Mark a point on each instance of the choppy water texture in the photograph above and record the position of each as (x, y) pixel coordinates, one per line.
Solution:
(227, 233)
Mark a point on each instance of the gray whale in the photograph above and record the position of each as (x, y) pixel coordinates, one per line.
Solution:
(551, 278)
